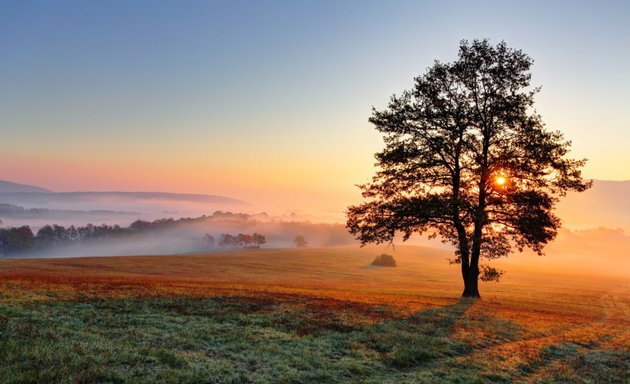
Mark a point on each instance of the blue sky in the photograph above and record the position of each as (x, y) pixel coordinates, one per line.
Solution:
(208, 96)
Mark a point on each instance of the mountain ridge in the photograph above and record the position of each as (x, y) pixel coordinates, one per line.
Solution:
(14, 192)
(11, 187)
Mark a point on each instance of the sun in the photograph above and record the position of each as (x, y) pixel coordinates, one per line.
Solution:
(500, 180)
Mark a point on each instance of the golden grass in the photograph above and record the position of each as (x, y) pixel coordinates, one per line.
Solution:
(549, 305)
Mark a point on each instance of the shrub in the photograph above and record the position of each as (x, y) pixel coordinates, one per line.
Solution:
(384, 260)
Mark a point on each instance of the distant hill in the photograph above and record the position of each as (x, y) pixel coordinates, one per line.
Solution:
(28, 205)
(607, 204)
(42, 197)
(9, 187)
(14, 211)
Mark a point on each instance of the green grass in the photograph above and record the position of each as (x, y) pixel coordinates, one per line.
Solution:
(573, 363)
(266, 340)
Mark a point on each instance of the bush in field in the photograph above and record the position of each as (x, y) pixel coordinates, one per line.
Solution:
(300, 241)
(384, 260)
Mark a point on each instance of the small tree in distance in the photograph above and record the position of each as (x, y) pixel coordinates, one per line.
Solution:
(467, 159)
(228, 241)
(258, 239)
(209, 241)
(243, 240)
(300, 241)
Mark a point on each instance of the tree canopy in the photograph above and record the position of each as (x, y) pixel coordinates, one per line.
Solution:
(468, 159)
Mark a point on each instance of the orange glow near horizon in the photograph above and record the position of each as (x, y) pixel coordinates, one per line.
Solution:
(267, 184)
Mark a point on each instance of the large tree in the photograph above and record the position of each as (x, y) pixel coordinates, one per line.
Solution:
(467, 159)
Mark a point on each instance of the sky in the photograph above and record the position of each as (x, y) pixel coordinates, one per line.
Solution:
(268, 101)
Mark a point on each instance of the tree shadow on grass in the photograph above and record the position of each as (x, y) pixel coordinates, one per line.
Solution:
(400, 342)
(419, 338)
(300, 339)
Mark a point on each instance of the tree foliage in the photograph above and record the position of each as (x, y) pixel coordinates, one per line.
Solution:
(259, 239)
(467, 159)
(242, 240)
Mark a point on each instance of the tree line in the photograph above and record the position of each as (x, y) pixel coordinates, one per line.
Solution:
(241, 240)
(22, 240)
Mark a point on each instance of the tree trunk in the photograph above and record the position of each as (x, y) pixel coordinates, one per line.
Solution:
(471, 280)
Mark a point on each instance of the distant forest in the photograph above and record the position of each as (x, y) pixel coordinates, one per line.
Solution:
(22, 240)
(16, 211)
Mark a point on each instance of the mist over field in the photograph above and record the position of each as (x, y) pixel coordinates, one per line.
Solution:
(37, 209)
(595, 236)
(186, 235)
(605, 205)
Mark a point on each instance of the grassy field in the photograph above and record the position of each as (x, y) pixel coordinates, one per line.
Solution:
(302, 316)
